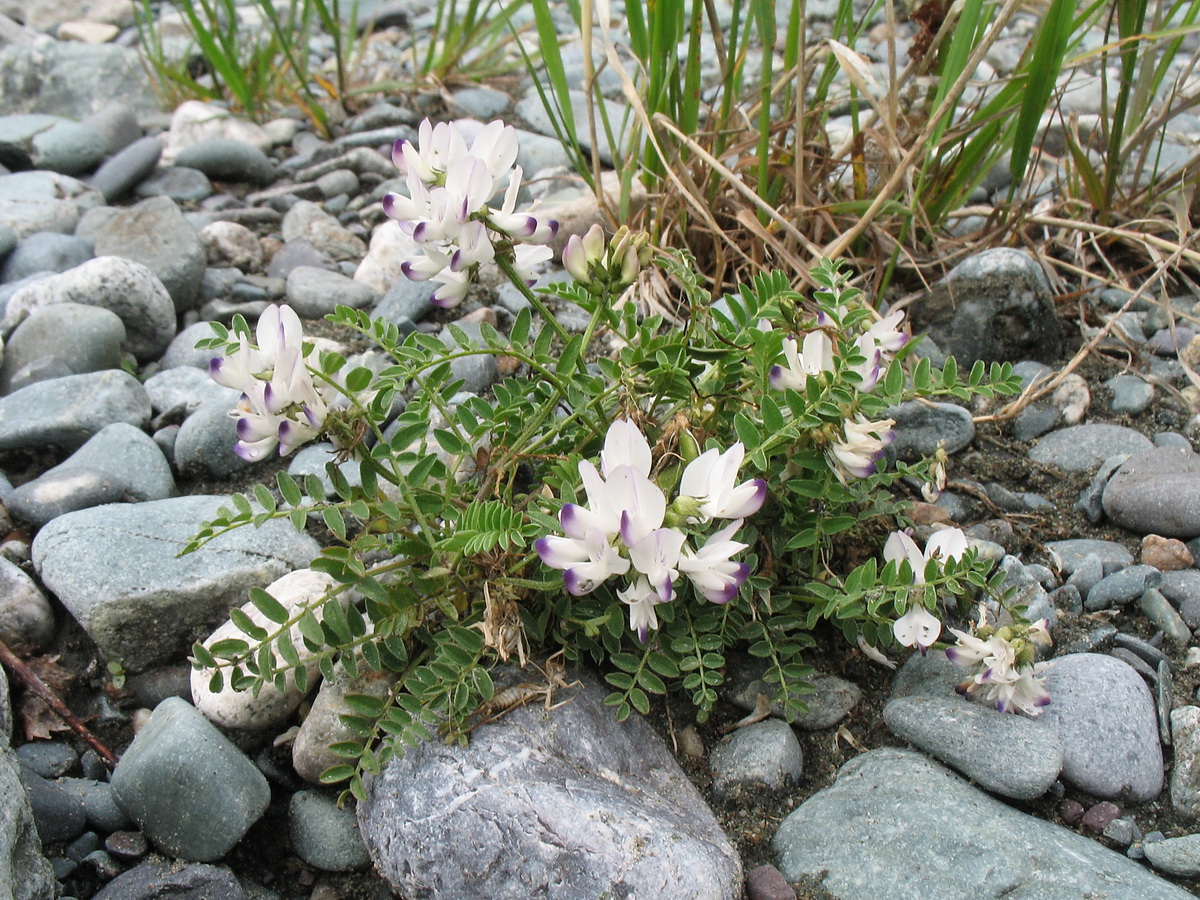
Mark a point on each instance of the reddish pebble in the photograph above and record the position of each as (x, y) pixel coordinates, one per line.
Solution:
(1166, 554)
(767, 883)
(1097, 818)
(481, 315)
(1070, 811)
(126, 845)
(928, 514)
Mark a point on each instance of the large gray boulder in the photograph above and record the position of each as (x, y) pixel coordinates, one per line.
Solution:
(116, 568)
(898, 825)
(568, 804)
(24, 873)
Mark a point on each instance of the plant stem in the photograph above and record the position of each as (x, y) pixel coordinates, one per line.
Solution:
(510, 270)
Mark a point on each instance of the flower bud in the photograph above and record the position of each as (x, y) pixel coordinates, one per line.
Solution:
(574, 260)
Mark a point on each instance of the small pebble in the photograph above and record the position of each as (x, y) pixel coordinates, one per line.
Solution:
(1099, 816)
(1166, 554)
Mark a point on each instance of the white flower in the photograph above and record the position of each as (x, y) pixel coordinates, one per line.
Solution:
(656, 556)
(625, 445)
(949, 543)
(1002, 660)
(582, 253)
(586, 562)
(709, 480)
(918, 627)
(815, 357)
(886, 333)
(862, 446)
(527, 258)
(641, 599)
(712, 570)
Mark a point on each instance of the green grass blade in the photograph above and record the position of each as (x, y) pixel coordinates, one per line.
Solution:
(1043, 68)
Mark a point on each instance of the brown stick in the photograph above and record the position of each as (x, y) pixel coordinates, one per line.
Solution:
(35, 684)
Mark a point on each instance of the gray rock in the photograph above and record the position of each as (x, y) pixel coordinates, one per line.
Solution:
(1035, 420)
(58, 815)
(49, 142)
(123, 286)
(6, 718)
(314, 292)
(182, 390)
(323, 726)
(994, 306)
(325, 837)
(405, 301)
(1103, 712)
(47, 759)
(1159, 611)
(8, 240)
(1069, 555)
(482, 102)
(532, 111)
(1185, 772)
(46, 251)
(190, 790)
(765, 754)
(965, 735)
(831, 698)
(117, 122)
(204, 445)
(24, 873)
(298, 253)
(99, 804)
(44, 201)
(1121, 587)
(337, 182)
(26, 618)
(70, 79)
(182, 349)
(1131, 395)
(1180, 586)
(53, 494)
(307, 221)
(127, 169)
(228, 160)
(152, 607)
(1081, 448)
(1157, 492)
(931, 675)
(920, 427)
(82, 338)
(182, 184)
(159, 879)
(479, 371)
(68, 411)
(867, 836)
(570, 802)
(1178, 856)
(155, 234)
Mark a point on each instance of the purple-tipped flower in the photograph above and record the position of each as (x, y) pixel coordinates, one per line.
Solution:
(641, 598)
(861, 448)
(709, 480)
(712, 569)
(815, 357)
(1002, 660)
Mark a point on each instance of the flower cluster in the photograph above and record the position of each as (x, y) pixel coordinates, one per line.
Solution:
(857, 451)
(606, 265)
(1003, 660)
(621, 529)
(446, 212)
(280, 405)
(919, 627)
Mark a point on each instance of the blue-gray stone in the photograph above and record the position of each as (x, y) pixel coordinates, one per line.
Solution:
(1181, 586)
(68, 411)
(71, 79)
(1068, 555)
(1080, 448)
(481, 102)
(117, 123)
(324, 836)
(1163, 615)
(155, 234)
(99, 804)
(55, 493)
(204, 445)
(48, 760)
(965, 735)
(82, 338)
(184, 389)
(182, 184)
(297, 253)
(59, 816)
(406, 300)
(182, 349)
(190, 790)
(25, 874)
(1179, 856)
(26, 617)
(127, 169)
(765, 754)
(895, 825)
(479, 371)
(1157, 492)
(312, 460)
(126, 287)
(1104, 714)
(160, 879)
(44, 201)
(314, 293)
(49, 142)
(547, 803)
(228, 160)
(1087, 574)
(1121, 587)
(46, 251)
(147, 610)
(1131, 395)
(829, 698)
(1174, 440)
(1035, 420)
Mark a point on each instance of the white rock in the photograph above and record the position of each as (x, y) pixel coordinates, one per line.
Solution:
(390, 247)
(241, 709)
(232, 244)
(87, 32)
(195, 122)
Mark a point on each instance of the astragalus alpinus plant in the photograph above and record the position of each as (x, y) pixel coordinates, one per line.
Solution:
(645, 510)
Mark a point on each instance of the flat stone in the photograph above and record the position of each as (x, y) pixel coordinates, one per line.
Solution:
(1080, 448)
(829, 702)
(965, 735)
(73, 80)
(1104, 714)
(81, 338)
(231, 244)
(153, 606)
(1068, 555)
(315, 292)
(44, 201)
(869, 836)
(159, 879)
(226, 159)
(25, 874)
(181, 390)
(921, 427)
(46, 251)
(49, 142)
(307, 221)
(204, 445)
(53, 494)
(124, 171)
(1185, 773)
(182, 184)
(1157, 491)
(569, 802)
(1131, 395)
(323, 726)
(68, 411)
(1122, 587)
(1178, 856)
(190, 790)
(1160, 612)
